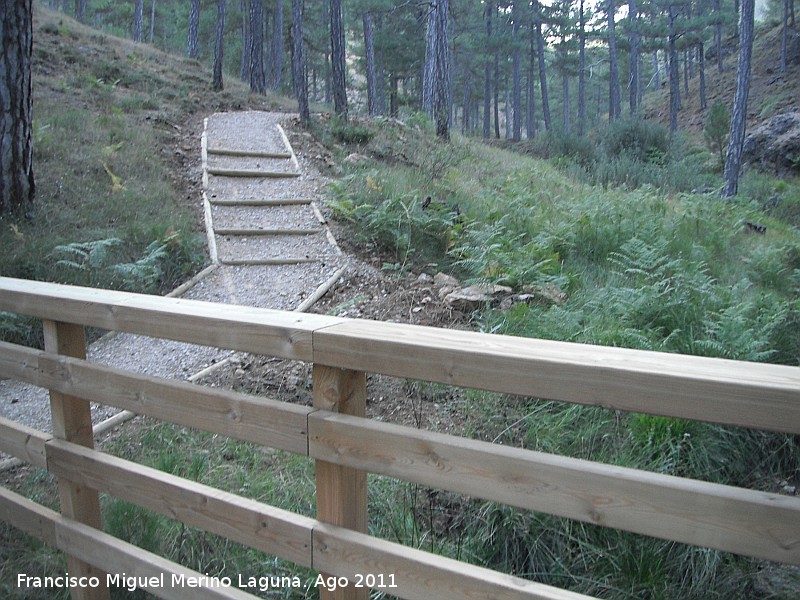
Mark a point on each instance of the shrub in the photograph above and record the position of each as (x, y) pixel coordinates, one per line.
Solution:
(640, 139)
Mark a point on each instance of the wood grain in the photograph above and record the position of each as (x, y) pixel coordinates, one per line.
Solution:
(753, 395)
(421, 575)
(747, 522)
(248, 329)
(257, 525)
(241, 416)
(341, 490)
(72, 421)
(23, 442)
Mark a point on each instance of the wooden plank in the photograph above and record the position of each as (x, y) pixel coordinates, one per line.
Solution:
(248, 329)
(241, 416)
(72, 421)
(257, 232)
(248, 153)
(251, 173)
(169, 580)
(341, 490)
(259, 202)
(753, 395)
(249, 522)
(253, 262)
(727, 518)
(28, 516)
(23, 442)
(417, 574)
(105, 551)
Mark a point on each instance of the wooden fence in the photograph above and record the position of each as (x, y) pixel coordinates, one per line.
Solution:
(346, 446)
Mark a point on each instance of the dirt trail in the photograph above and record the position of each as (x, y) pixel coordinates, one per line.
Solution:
(268, 243)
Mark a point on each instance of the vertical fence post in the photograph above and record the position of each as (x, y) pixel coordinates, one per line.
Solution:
(341, 491)
(72, 421)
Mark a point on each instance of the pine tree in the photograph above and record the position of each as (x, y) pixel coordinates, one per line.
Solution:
(17, 188)
(733, 157)
(338, 59)
(219, 44)
(194, 28)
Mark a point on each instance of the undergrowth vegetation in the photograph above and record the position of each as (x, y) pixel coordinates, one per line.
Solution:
(628, 227)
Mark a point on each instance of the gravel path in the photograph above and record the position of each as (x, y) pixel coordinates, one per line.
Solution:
(282, 287)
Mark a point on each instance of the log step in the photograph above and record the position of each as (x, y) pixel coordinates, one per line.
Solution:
(250, 173)
(245, 262)
(260, 202)
(231, 231)
(248, 153)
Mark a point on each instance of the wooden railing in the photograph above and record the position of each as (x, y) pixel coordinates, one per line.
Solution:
(346, 445)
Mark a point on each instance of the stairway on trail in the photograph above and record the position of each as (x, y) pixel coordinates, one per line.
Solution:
(268, 243)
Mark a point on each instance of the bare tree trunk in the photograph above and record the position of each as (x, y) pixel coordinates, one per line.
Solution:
(194, 28)
(219, 45)
(784, 35)
(152, 20)
(80, 9)
(17, 187)
(138, 18)
(257, 82)
(380, 71)
(582, 72)
(429, 68)
(733, 157)
(338, 59)
(718, 34)
(614, 102)
(299, 63)
(702, 70)
(244, 69)
(441, 103)
(277, 46)
(633, 77)
(516, 76)
(674, 74)
(487, 74)
(369, 51)
(565, 93)
(542, 68)
(530, 122)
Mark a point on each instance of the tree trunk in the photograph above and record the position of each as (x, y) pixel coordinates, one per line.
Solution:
(542, 68)
(784, 35)
(80, 9)
(516, 76)
(582, 72)
(718, 34)
(257, 81)
(218, 44)
(394, 108)
(429, 68)
(338, 59)
(369, 51)
(17, 187)
(299, 62)
(565, 94)
(441, 103)
(530, 122)
(702, 70)
(152, 20)
(733, 158)
(277, 45)
(244, 70)
(194, 27)
(487, 73)
(614, 102)
(496, 95)
(379, 67)
(674, 74)
(633, 77)
(138, 18)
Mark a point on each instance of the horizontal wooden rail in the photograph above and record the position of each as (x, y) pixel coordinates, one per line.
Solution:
(240, 416)
(107, 552)
(271, 332)
(736, 520)
(732, 519)
(754, 395)
(248, 153)
(302, 540)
